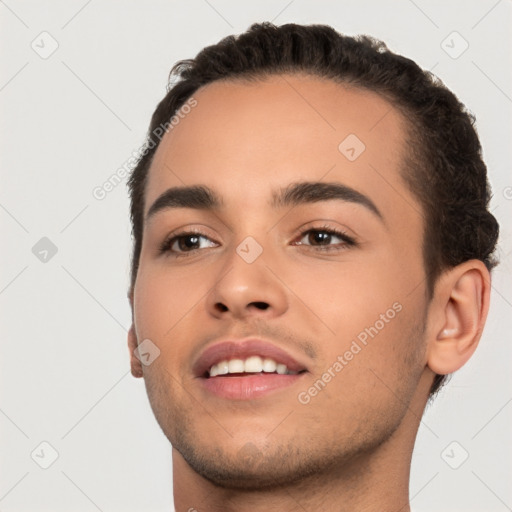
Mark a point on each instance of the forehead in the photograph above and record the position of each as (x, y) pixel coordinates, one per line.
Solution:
(245, 139)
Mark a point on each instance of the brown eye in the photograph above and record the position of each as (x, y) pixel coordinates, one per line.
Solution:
(185, 243)
(325, 238)
(319, 238)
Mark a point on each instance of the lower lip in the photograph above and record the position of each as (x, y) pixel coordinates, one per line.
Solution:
(248, 387)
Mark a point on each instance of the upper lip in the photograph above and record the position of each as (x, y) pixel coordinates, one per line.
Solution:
(226, 350)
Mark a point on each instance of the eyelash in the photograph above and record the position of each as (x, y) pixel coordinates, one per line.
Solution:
(348, 241)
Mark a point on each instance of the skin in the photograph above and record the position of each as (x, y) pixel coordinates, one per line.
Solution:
(350, 447)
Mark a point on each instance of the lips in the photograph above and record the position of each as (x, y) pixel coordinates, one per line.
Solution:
(230, 350)
(250, 384)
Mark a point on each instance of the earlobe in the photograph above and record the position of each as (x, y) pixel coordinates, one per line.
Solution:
(135, 364)
(462, 299)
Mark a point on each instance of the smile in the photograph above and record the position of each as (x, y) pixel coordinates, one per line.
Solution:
(251, 365)
(245, 370)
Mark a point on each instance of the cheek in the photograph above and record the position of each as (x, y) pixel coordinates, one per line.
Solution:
(345, 296)
(163, 298)
(366, 314)
(367, 379)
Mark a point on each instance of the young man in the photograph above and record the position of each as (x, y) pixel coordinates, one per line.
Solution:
(312, 256)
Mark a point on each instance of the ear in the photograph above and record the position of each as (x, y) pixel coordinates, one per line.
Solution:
(461, 302)
(135, 364)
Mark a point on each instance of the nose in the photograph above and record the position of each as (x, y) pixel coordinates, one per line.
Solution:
(245, 290)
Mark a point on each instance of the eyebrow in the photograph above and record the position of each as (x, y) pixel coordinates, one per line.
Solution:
(198, 197)
(201, 197)
(312, 192)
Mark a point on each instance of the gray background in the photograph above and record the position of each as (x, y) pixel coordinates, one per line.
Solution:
(69, 120)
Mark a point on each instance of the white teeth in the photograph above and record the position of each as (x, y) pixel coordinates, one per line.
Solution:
(236, 366)
(269, 365)
(281, 369)
(253, 364)
(222, 368)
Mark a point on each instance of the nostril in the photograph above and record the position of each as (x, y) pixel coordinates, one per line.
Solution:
(260, 305)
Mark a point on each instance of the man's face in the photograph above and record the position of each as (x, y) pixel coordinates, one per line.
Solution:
(349, 311)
